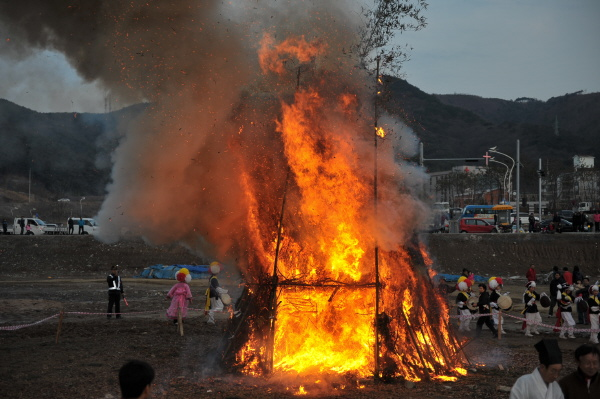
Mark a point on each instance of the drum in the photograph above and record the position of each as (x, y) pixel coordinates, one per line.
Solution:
(582, 306)
(545, 301)
(505, 302)
(472, 303)
(226, 299)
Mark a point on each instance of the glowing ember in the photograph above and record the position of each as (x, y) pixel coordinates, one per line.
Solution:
(380, 132)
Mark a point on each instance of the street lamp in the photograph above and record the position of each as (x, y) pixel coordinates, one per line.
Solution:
(491, 159)
(81, 207)
(494, 150)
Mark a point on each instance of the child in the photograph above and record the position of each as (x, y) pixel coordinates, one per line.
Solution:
(181, 295)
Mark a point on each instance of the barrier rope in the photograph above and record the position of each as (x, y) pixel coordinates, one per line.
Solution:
(20, 326)
(474, 316)
(470, 316)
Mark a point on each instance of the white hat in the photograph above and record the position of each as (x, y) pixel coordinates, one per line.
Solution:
(493, 283)
(530, 284)
(594, 288)
(462, 286)
(215, 267)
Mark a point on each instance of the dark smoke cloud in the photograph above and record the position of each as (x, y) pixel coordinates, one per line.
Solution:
(180, 173)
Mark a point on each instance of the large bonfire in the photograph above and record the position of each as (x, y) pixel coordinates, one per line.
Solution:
(322, 297)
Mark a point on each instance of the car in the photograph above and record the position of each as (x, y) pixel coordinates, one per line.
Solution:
(475, 225)
(565, 226)
(566, 214)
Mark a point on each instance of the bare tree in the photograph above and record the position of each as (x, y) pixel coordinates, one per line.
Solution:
(383, 22)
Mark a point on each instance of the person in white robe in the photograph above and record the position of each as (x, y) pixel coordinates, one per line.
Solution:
(541, 383)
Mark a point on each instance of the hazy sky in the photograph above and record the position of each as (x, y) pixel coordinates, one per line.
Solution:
(490, 48)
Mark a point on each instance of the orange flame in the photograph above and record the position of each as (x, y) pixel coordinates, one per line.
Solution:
(325, 307)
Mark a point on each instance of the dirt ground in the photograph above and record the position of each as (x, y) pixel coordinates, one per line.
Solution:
(43, 275)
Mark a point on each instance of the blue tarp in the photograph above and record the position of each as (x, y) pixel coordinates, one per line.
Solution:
(169, 271)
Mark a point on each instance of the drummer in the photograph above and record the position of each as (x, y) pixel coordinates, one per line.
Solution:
(462, 300)
(532, 314)
(495, 285)
(594, 305)
(565, 300)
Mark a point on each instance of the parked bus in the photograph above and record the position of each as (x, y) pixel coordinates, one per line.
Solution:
(493, 214)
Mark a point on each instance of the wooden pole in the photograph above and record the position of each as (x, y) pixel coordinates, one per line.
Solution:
(377, 285)
(415, 342)
(499, 324)
(59, 328)
(179, 321)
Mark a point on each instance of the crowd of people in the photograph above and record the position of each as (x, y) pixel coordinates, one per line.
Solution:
(180, 295)
(570, 293)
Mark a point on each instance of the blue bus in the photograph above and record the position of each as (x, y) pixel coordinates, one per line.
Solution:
(493, 214)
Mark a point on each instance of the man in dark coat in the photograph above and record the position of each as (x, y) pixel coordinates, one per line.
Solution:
(484, 307)
(583, 383)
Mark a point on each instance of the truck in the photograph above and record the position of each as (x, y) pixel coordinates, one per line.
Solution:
(89, 226)
(36, 226)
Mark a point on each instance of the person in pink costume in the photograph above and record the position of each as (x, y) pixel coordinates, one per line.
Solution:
(180, 295)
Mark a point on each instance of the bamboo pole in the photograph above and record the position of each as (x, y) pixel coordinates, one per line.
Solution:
(59, 328)
(499, 324)
(179, 321)
(415, 342)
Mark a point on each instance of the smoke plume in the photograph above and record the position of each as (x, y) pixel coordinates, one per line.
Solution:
(210, 148)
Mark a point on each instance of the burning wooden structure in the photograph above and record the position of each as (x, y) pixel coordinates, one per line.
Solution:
(337, 282)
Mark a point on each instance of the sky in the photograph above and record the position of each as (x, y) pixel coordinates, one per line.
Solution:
(490, 48)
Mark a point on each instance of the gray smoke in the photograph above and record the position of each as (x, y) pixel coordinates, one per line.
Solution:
(180, 173)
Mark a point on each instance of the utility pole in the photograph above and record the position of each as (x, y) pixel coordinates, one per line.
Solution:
(540, 174)
(518, 213)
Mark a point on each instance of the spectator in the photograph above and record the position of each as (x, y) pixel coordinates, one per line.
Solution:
(531, 224)
(22, 225)
(71, 228)
(577, 275)
(484, 312)
(583, 383)
(115, 290)
(596, 221)
(568, 276)
(4, 226)
(582, 291)
(81, 223)
(135, 380)
(531, 274)
(541, 383)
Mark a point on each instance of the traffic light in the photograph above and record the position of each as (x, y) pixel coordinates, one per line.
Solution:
(541, 173)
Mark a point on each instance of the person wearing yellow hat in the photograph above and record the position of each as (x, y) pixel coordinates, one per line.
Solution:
(214, 293)
(594, 309)
(461, 302)
(180, 295)
(532, 314)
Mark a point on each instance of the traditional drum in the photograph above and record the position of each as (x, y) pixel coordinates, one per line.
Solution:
(226, 299)
(582, 306)
(505, 302)
(545, 301)
(472, 303)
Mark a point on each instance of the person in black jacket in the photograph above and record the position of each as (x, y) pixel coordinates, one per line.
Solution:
(557, 281)
(115, 290)
(484, 308)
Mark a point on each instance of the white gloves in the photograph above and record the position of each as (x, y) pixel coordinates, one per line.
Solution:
(531, 302)
(494, 305)
(460, 303)
(221, 291)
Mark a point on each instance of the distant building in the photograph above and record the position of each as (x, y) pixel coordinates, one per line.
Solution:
(583, 162)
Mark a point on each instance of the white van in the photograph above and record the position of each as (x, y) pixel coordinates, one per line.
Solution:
(89, 225)
(36, 226)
